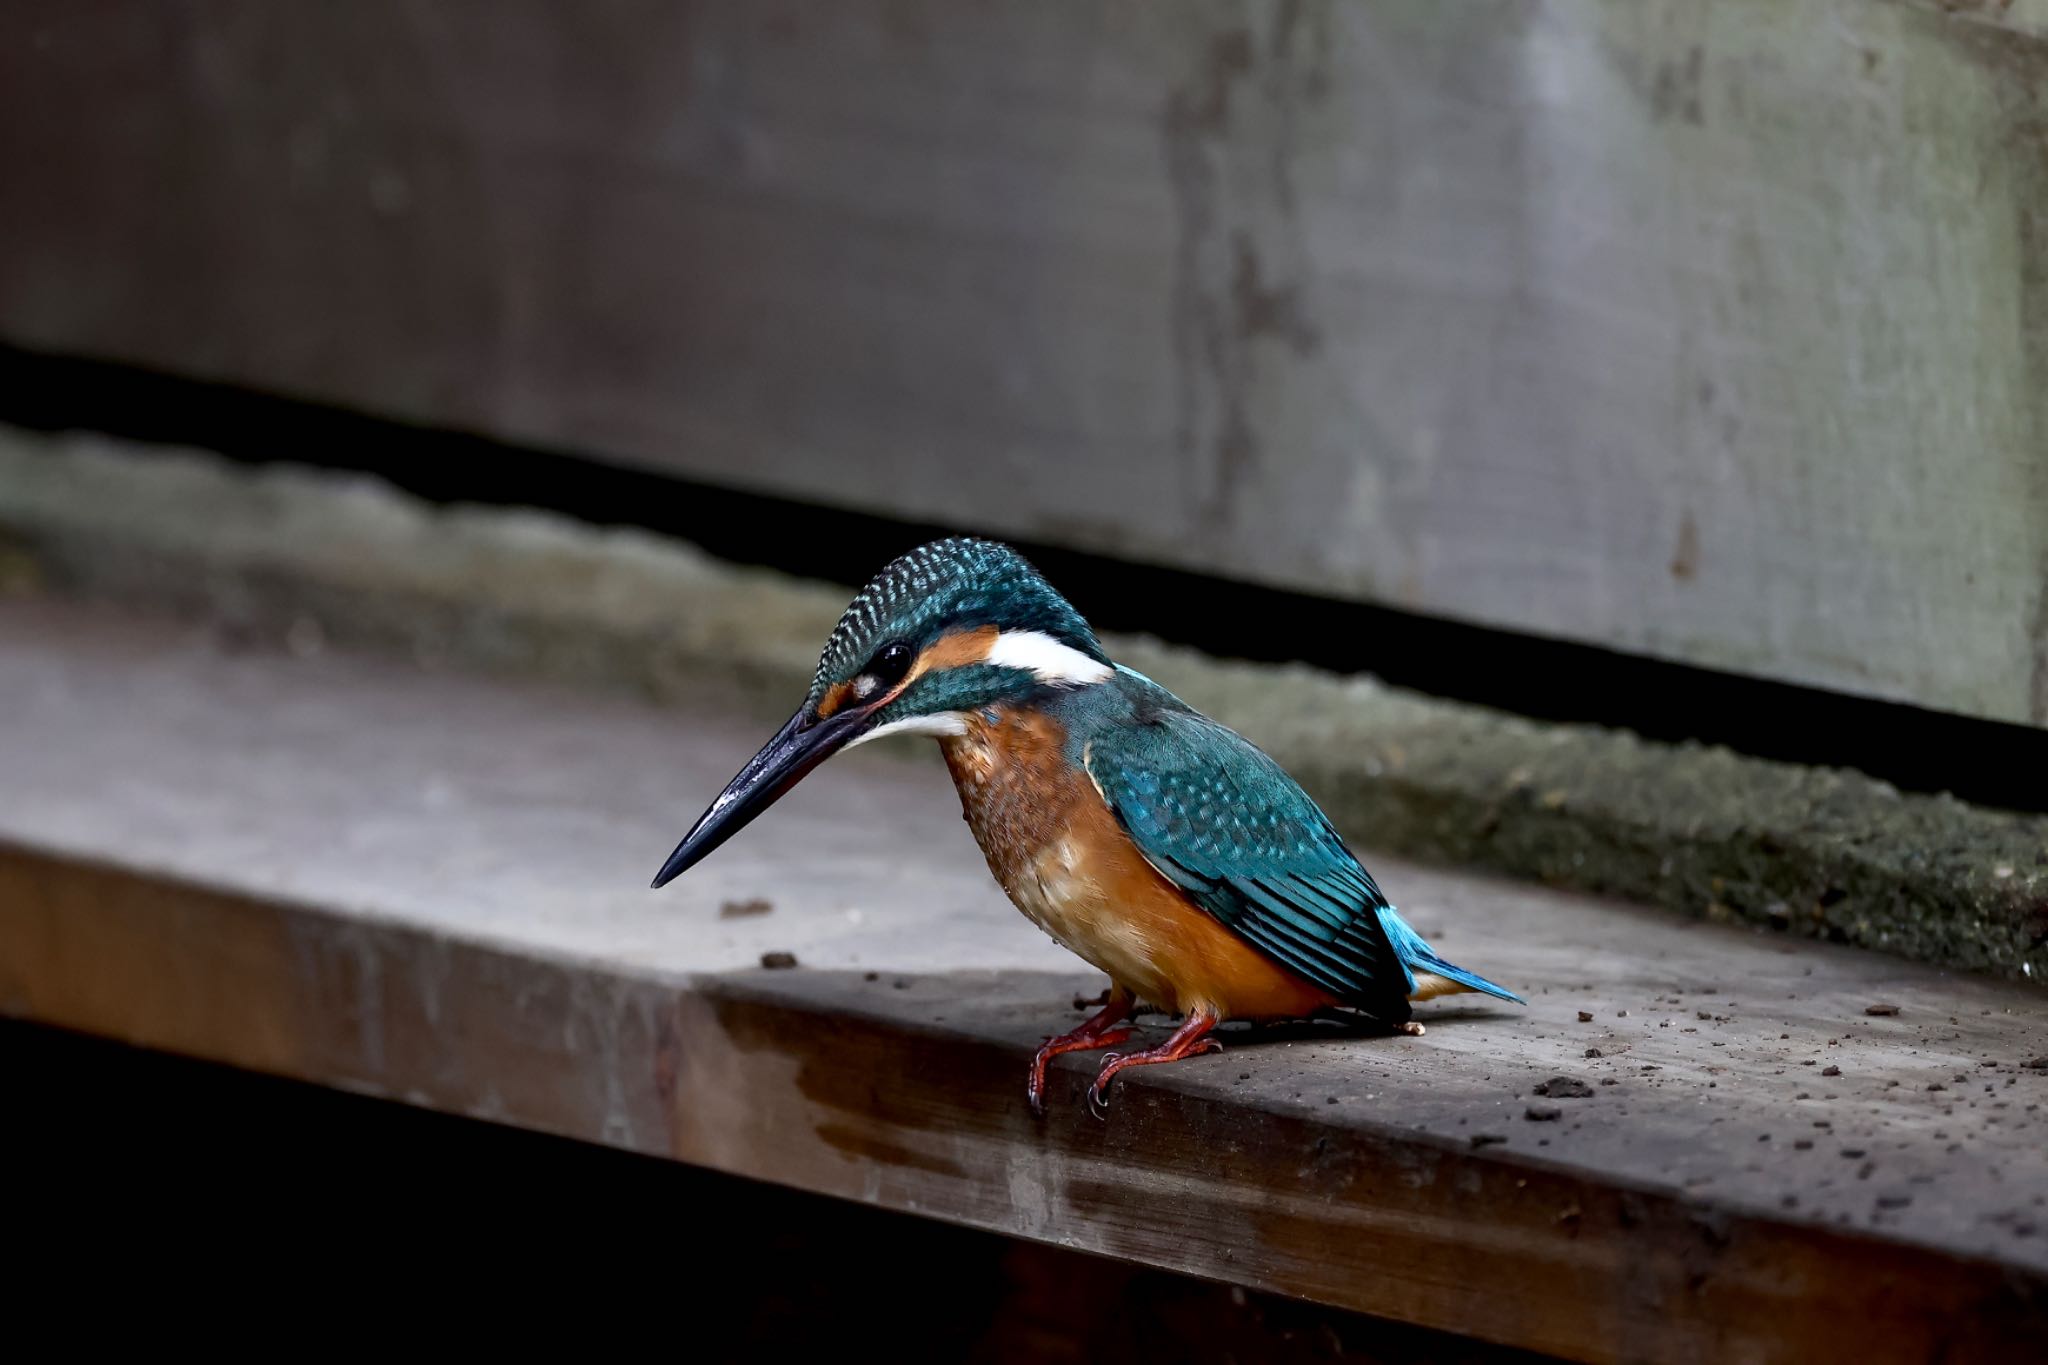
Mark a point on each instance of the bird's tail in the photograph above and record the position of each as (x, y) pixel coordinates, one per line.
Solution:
(1420, 957)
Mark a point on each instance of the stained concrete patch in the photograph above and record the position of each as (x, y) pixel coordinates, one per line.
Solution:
(317, 560)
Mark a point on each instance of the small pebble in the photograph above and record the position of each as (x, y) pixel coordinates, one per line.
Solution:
(745, 909)
(1542, 1113)
(1594, 1052)
(1831, 1071)
(1585, 1016)
(1880, 1009)
(1486, 1139)
(778, 961)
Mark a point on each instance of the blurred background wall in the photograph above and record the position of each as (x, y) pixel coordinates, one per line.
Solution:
(1715, 332)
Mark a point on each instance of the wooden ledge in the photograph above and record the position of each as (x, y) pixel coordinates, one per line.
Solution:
(432, 888)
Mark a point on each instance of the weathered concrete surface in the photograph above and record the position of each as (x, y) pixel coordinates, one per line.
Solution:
(1710, 329)
(433, 887)
(308, 559)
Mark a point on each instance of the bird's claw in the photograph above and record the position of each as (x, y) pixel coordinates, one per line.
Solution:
(1098, 1100)
(1098, 1093)
(1105, 1029)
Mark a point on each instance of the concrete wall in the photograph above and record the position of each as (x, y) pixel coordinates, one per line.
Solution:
(1709, 329)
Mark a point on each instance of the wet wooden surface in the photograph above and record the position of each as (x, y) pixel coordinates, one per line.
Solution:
(433, 888)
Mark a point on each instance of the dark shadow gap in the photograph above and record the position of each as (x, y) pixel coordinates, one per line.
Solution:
(1916, 749)
(163, 1191)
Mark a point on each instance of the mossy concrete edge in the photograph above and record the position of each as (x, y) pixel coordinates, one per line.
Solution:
(311, 557)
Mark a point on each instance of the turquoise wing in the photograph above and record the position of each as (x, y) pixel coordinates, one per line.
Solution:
(1224, 822)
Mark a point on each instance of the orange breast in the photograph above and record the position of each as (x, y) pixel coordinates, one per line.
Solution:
(1057, 850)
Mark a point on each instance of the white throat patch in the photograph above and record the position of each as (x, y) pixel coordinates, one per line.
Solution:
(943, 723)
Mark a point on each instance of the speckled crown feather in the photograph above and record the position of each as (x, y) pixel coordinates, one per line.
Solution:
(960, 582)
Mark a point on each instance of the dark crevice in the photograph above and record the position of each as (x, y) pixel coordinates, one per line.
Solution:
(1914, 748)
(162, 1191)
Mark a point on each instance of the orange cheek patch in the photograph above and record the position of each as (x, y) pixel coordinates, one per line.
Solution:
(951, 651)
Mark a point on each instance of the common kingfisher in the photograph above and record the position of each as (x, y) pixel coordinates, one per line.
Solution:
(1163, 848)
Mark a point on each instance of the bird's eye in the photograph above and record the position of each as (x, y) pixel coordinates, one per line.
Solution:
(890, 663)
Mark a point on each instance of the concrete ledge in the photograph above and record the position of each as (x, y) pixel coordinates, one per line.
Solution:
(431, 888)
(1467, 308)
(310, 559)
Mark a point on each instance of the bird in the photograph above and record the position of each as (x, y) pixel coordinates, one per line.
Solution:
(1156, 844)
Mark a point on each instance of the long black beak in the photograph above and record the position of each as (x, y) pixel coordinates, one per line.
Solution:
(799, 746)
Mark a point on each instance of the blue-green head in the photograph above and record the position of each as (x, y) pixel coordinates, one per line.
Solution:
(945, 630)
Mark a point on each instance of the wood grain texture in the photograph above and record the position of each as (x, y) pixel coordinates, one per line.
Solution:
(432, 888)
(1710, 331)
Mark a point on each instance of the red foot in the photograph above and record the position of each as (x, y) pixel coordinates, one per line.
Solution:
(1188, 1040)
(1098, 1031)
